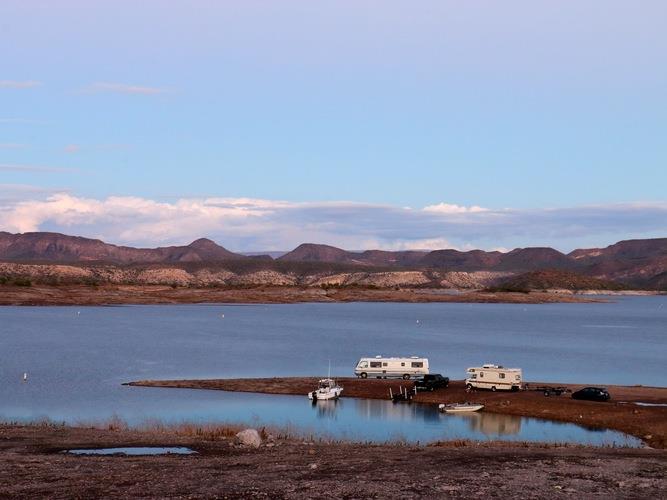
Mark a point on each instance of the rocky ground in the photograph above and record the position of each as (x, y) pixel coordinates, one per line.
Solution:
(32, 465)
(648, 423)
(161, 294)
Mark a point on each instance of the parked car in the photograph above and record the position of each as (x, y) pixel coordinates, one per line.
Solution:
(592, 394)
(431, 382)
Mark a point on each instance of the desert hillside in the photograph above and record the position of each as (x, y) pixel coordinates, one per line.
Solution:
(57, 258)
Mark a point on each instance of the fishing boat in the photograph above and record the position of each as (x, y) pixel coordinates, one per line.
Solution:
(327, 389)
(460, 407)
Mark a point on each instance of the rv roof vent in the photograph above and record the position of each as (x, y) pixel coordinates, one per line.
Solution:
(414, 357)
(490, 366)
(378, 357)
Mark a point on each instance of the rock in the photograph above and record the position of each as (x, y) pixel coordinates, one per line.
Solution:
(313, 466)
(248, 437)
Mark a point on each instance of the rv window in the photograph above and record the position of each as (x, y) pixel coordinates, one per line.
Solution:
(384, 364)
(501, 375)
(481, 374)
(474, 375)
(363, 364)
(517, 377)
(417, 364)
(402, 364)
(376, 364)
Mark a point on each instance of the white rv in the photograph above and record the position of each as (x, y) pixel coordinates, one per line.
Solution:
(494, 377)
(379, 367)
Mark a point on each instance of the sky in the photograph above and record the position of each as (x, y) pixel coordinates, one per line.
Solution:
(360, 124)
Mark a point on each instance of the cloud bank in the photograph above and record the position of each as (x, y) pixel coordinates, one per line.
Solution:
(16, 84)
(246, 224)
(123, 88)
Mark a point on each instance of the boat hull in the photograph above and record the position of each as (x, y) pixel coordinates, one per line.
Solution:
(460, 408)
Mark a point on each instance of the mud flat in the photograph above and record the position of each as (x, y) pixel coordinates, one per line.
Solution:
(37, 295)
(32, 465)
(648, 423)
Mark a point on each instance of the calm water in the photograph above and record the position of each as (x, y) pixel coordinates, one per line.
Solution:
(76, 359)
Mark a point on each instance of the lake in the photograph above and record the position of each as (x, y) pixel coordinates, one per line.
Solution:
(76, 358)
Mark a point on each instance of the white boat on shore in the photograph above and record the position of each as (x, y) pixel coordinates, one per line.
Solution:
(327, 389)
(460, 407)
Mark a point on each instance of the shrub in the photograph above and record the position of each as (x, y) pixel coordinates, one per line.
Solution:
(22, 282)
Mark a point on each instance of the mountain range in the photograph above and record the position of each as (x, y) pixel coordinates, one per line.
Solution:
(637, 263)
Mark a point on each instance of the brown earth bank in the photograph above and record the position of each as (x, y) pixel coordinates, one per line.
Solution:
(32, 465)
(157, 294)
(648, 423)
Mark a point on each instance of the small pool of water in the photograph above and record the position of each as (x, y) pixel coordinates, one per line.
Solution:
(134, 450)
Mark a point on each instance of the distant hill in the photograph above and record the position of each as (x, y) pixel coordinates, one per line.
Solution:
(535, 258)
(55, 247)
(311, 252)
(474, 260)
(635, 263)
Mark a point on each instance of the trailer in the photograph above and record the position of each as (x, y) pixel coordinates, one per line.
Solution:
(548, 390)
(403, 395)
(494, 377)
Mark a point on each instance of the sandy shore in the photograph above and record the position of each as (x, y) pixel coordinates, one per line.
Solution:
(645, 422)
(155, 294)
(32, 466)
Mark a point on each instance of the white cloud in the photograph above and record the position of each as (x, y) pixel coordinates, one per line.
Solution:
(13, 167)
(447, 208)
(23, 121)
(123, 88)
(248, 224)
(15, 84)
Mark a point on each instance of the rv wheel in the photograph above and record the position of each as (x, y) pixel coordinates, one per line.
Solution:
(469, 387)
(364, 375)
(406, 377)
(546, 393)
(493, 388)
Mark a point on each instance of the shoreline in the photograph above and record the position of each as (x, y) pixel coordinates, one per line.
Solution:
(84, 295)
(647, 423)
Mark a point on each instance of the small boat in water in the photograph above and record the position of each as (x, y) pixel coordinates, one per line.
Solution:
(460, 407)
(327, 389)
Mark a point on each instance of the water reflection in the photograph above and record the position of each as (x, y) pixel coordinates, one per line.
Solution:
(493, 424)
(380, 420)
(327, 409)
(484, 423)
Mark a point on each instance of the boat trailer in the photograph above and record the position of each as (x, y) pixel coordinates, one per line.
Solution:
(403, 395)
(549, 390)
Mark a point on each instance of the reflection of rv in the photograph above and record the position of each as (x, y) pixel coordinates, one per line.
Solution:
(494, 424)
(391, 367)
(494, 377)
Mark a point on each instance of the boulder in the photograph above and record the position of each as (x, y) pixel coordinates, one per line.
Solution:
(249, 437)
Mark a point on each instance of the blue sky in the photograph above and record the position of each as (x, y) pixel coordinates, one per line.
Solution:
(525, 107)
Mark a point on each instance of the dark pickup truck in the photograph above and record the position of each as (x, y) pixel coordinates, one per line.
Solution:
(431, 382)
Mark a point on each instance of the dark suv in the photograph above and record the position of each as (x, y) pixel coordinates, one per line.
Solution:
(592, 394)
(431, 382)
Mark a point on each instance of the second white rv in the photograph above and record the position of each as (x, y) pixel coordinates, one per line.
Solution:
(494, 377)
(379, 367)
